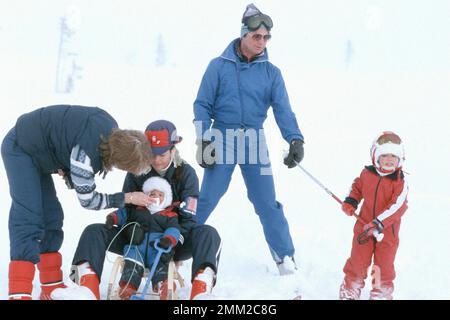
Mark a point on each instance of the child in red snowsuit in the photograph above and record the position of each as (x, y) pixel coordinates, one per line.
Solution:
(384, 190)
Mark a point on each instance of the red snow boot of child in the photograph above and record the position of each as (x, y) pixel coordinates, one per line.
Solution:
(21, 275)
(126, 290)
(382, 293)
(350, 290)
(50, 274)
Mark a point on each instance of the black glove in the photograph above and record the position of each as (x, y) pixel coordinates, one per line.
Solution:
(164, 243)
(135, 234)
(166, 258)
(109, 223)
(295, 153)
(205, 159)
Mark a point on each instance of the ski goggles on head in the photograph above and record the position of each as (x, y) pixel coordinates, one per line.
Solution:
(389, 137)
(254, 22)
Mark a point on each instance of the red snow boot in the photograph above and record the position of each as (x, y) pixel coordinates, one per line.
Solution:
(50, 274)
(89, 279)
(202, 284)
(126, 290)
(21, 275)
(87, 287)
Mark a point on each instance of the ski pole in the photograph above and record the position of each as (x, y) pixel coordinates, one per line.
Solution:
(152, 271)
(379, 236)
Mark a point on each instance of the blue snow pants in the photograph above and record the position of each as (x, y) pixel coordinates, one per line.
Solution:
(255, 166)
(36, 216)
(144, 253)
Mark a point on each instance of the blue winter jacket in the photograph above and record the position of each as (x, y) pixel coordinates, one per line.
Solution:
(237, 94)
(49, 134)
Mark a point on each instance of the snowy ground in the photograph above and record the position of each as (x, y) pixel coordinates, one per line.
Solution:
(341, 104)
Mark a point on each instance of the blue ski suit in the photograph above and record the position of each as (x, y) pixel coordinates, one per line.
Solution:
(230, 109)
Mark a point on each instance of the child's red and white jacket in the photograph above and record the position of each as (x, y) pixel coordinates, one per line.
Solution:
(385, 197)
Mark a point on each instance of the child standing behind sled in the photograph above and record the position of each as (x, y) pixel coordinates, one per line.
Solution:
(384, 190)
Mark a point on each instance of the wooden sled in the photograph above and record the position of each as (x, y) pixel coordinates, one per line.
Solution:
(173, 275)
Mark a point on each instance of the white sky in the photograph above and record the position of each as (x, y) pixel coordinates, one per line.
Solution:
(385, 35)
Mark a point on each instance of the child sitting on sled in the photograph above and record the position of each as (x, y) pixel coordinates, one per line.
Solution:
(144, 226)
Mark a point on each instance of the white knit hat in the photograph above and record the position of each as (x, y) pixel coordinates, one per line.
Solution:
(160, 184)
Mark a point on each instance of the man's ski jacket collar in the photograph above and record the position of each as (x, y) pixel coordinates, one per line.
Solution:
(231, 54)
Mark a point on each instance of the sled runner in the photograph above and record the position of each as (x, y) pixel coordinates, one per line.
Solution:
(116, 271)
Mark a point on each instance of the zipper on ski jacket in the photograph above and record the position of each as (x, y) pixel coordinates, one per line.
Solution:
(375, 198)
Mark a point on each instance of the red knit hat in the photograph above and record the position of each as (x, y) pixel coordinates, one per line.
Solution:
(162, 135)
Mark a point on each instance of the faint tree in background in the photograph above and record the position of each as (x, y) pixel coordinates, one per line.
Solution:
(348, 53)
(67, 68)
(160, 52)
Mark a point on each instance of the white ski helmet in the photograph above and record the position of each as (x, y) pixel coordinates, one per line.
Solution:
(387, 143)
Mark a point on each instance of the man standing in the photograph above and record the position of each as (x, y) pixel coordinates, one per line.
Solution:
(235, 94)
